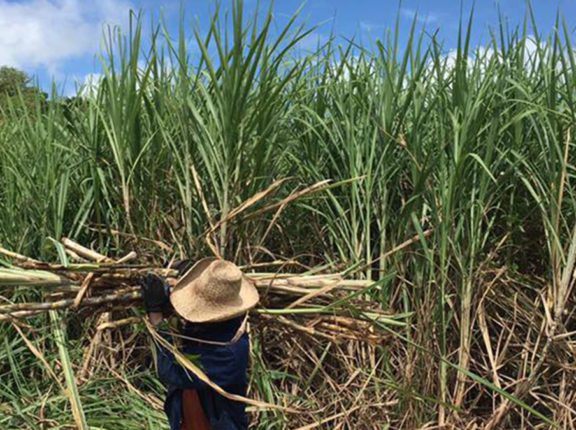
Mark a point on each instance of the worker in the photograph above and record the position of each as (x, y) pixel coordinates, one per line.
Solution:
(210, 302)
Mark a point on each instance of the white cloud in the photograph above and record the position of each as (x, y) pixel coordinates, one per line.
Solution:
(89, 88)
(369, 26)
(44, 33)
(480, 57)
(411, 14)
(531, 48)
(451, 59)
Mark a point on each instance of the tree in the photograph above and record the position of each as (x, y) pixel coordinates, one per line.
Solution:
(16, 90)
(12, 80)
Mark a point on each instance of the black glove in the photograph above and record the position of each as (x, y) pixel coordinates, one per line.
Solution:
(155, 293)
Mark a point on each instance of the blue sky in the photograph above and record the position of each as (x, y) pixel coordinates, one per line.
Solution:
(58, 40)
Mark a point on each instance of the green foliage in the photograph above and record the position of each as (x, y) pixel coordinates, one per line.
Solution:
(12, 81)
(15, 90)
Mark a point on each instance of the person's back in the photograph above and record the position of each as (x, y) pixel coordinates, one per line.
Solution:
(224, 362)
(212, 298)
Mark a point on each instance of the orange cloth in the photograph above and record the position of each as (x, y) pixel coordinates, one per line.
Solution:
(193, 416)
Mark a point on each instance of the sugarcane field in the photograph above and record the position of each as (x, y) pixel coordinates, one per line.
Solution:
(284, 215)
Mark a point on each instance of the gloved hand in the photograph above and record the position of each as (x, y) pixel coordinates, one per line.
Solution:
(155, 293)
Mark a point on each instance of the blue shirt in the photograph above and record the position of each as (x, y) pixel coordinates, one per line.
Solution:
(226, 366)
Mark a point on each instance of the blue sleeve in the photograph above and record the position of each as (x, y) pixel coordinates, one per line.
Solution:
(171, 373)
(226, 366)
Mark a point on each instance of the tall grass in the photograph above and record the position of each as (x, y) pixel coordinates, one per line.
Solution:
(469, 151)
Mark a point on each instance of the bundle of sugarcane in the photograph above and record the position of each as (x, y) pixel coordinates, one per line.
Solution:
(97, 284)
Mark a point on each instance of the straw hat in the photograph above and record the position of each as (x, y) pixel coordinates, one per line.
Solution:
(213, 290)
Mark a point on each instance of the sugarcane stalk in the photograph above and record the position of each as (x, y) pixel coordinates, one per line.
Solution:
(128, 257)
(308, 330)
(75, 256)
(85, 252)
(118, 323)
(17, 256)
(19, 277)
(14, 316)
(67, 303)
(83, 289)
(72, 388)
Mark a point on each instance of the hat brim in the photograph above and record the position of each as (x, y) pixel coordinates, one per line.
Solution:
(196, 309)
